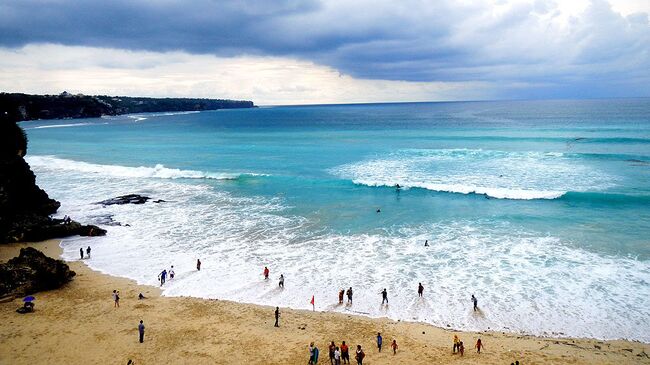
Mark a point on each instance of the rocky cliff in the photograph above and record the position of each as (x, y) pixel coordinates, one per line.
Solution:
(19, 107)
(25, 208)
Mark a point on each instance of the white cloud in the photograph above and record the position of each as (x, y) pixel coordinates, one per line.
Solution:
(47, 68)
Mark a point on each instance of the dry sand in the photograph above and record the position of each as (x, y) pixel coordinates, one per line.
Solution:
(78, 324)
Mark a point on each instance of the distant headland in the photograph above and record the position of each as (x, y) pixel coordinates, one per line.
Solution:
(20, 107)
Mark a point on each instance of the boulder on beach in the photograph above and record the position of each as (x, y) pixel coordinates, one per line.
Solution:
(32, 272)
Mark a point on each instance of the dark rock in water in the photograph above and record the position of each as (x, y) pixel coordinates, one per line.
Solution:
(32, 272)
(125, 199)
(105, 220)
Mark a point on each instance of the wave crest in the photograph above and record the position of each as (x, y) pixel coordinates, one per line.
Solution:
(158, 171)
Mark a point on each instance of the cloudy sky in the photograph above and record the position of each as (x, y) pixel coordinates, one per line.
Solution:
(305, 52)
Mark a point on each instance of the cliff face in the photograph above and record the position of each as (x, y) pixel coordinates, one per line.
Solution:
(19, 107)
(24, 207)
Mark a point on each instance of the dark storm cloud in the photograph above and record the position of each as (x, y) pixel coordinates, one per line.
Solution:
(406, 40)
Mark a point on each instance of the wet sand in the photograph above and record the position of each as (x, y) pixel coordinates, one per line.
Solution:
(78, 324)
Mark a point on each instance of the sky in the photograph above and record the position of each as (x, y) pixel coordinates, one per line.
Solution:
(314, 52)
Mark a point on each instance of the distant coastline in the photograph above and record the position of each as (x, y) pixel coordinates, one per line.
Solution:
(18, 107)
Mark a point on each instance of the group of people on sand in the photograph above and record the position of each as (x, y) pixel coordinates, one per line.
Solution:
(81, 252)
(341, 354)
(459, 347)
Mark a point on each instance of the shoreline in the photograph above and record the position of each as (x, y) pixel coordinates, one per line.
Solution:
(77, 323)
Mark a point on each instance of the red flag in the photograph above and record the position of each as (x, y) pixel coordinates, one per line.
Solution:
(312, 300)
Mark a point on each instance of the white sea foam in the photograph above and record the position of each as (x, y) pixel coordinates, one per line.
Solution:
(145, 116)
(497, 174)
(62, 125)
(158, 171)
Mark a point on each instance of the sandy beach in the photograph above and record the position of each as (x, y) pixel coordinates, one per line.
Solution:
(78, 324)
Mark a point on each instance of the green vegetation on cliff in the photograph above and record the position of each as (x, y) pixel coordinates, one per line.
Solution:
(20, 107)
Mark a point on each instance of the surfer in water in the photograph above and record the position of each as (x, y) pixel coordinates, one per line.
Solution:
(475, 301)
(266, 273)
(426, 243)
(281, 283)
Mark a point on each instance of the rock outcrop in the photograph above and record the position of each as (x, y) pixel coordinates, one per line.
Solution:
(25, 208)
(32, 272)
(126, 199)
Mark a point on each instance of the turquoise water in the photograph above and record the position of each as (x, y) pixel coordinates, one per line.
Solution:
(540, 208)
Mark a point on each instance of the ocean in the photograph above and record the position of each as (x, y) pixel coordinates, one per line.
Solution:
(541, 209)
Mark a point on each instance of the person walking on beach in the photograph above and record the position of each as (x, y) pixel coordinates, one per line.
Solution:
(341, 293)
(162, 277)
(281, 282)
(359, 355)
(116, 299)
(81, 253)
(313, 354)
(461, 348)
(475, 301)
(420, 289)
(332, 348)
(394, 347)
(345, 353)
(456, 342)
(384, 296)
(171, 273)
(337, 356)
(88, 251)
(266, 273)
(350, 295)
(380, 341)
(479, 345)
(141, 331)
(277, 316)
(198, 265)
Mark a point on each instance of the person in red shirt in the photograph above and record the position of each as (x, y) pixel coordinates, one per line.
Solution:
(266, 273)
(345, 353)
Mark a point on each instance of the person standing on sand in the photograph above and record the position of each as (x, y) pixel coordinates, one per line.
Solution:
(475, 301)
(384, 296)
(479, 345)
(461, 348)
(345, 353)
(311, 353)
(420, 289)
(266, 273)
(359, 355)
(350, 295)
(81, 253)
(116, 299)
(380, 341)
(456, 341)
(281, 282)
(394, 347)
(332, 347)
(141, 331)
(277, 316)
(198, 265)
(88, 251)
(337, 356)
(341, 293)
